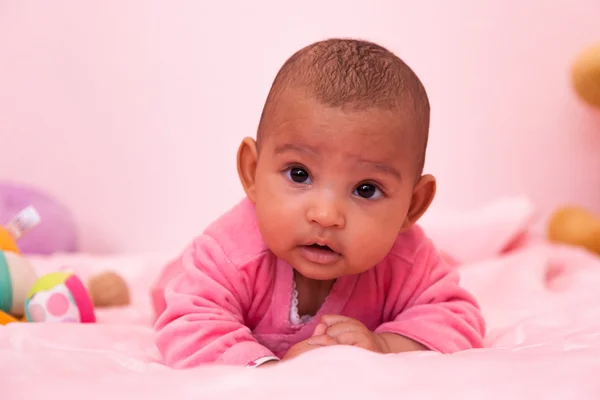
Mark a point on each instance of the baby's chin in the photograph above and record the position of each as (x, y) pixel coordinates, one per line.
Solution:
(323, 272)
(317, 275)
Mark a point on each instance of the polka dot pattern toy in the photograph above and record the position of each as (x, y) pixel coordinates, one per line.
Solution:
(59, 297)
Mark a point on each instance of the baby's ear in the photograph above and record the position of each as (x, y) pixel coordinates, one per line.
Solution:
(423, 194)
(247, 158)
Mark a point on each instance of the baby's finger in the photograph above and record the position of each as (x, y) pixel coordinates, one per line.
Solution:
(321, 340)
(333, 319)
(320, 330)
(341, 328)
(349, 338)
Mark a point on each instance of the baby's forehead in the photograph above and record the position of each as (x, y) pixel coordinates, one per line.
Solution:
(348, 120)
(330, 132)
(298, 119)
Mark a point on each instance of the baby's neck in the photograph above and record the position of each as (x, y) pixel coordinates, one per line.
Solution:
(311, 293)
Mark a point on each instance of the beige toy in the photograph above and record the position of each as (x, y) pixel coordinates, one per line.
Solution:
(585, 75)
(108, 289)
(575, 225)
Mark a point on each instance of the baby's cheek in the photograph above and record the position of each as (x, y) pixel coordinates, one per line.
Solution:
(276, 225)
(281, 212)
(370, 244)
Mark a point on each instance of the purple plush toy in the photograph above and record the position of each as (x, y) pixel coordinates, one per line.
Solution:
(56, 233)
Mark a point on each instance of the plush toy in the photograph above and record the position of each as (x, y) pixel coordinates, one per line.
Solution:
(55, 297)
(17, 276)
(59, 297)
(56, 231)
(7, 242)
(585, 75)
(108, 289)
(575, 225)
(17, 227)
(7, 318)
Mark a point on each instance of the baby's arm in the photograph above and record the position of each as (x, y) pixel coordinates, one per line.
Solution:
(431, 309)
(204, 317)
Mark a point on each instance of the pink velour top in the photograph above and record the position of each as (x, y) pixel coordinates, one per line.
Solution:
(231, 297)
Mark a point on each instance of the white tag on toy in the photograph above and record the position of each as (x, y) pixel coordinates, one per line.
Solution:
(24, 221)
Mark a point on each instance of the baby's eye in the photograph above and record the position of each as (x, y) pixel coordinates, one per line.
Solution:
(298, 175)
(367, 191)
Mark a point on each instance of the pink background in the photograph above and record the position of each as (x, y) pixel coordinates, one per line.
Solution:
(131, 112)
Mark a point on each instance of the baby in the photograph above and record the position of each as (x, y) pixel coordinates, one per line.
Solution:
(324, 250)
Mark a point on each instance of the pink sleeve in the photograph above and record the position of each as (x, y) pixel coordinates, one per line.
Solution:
(431, 308)
(203, 321)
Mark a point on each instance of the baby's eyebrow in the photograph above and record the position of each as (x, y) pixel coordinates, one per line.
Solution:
(295, 147)
(383, 167)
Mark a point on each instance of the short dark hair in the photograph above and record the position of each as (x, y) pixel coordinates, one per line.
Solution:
(355, 73)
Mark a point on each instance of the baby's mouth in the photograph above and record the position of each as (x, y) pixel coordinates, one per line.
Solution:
(320, 247)
(320, 254)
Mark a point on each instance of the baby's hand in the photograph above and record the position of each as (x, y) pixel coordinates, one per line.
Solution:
(304, 346)
(347, 331)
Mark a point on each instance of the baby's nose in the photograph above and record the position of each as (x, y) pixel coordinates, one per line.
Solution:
(327, 212)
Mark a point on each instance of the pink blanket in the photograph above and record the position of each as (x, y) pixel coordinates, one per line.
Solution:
(541, 302)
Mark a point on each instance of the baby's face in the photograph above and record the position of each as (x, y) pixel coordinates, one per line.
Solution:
(333, 187)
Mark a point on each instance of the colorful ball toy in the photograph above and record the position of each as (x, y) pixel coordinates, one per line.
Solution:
(59, 297)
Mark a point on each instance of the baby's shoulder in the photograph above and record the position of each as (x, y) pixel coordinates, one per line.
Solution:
(237, 234)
